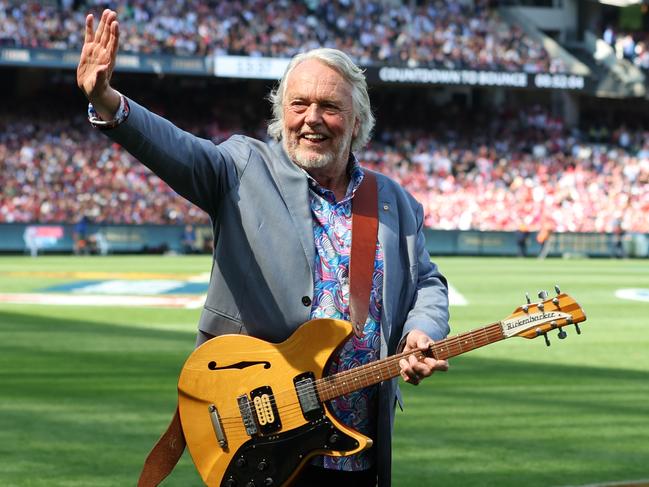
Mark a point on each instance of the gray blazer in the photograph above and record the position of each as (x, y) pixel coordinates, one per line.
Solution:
(262, 273)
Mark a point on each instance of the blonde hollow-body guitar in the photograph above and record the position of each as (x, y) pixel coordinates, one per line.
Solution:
(253, 413)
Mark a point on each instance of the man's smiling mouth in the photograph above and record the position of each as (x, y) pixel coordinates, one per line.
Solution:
(314, 137)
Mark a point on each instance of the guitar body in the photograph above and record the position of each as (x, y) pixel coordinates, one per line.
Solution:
(250, 410)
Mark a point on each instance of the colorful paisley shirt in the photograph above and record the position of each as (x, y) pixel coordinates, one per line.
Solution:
(332, 231)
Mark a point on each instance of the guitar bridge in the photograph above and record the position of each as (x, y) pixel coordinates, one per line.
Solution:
(216, 424)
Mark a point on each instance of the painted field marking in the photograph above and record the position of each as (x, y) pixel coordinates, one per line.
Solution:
(637, 294)
(99, 275)
(188, 302)
(455, 298)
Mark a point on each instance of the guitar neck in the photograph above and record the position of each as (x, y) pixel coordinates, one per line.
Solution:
(335, 385)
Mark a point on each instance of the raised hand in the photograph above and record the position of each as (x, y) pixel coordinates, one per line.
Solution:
(97, 63)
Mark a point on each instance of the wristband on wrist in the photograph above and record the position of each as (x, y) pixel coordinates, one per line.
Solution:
(121, 115)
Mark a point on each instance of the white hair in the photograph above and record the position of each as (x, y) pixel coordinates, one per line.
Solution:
(341, 62)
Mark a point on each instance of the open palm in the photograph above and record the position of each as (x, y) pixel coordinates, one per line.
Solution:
(98, 56)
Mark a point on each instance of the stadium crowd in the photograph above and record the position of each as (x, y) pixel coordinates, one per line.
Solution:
(470, 171)
(632, 46)
(441, 33)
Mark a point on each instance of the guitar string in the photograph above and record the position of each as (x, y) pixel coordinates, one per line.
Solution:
(293, 409)
(332, 383)
(454, 346)
(338, 380)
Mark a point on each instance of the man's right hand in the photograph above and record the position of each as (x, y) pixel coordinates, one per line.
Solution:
(97, 63)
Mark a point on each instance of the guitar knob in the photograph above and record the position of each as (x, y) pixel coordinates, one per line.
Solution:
(268, 481)
(562, 334)
(333, 439)
(263, 465)
(230, 482)
(250, 484)
(241, 462)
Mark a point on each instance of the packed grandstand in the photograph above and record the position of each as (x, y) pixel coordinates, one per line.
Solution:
(471, 167)
(449, 33)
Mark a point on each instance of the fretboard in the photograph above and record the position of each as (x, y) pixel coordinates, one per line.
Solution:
(357, 378)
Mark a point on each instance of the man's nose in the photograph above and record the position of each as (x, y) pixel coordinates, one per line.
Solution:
(313, 114)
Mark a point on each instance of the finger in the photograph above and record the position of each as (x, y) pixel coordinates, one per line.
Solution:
(90, 20)
(420, 369)
(434, 365)
(102, 25)
(107, 33)
(113, 42)
(408, 373)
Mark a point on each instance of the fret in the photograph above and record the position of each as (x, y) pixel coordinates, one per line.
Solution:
(373, 373)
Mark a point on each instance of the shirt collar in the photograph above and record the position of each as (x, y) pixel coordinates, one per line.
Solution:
(356, 174)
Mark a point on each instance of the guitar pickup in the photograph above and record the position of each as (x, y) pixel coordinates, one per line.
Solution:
(265, 407)
(247, 416)
(216, 424)
(308, 396)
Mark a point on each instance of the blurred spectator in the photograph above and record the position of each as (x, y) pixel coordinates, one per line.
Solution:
(188, 240)
(31, 242)
(470, 170)
(618, 239)
(522, 234)
(448, 34)
(80, 243)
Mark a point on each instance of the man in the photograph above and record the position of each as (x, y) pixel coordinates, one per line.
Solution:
(281, 216)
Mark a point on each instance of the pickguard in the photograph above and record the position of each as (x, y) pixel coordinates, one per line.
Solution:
(272, 460)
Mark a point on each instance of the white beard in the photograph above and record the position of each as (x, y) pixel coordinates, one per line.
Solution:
(314, 160)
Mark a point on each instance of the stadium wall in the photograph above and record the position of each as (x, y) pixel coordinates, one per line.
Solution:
(107, 239)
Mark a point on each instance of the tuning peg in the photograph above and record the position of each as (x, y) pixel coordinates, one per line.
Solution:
(526, 307)
(547, 340)
(527, 298)
(562, 334)
(541, 306)
(555, 301)
(577, 328)
(556, 289)
(543, 295)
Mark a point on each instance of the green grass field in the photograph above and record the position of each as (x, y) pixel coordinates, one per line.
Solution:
(85, 391)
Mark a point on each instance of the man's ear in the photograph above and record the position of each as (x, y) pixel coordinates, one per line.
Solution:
(357, 127)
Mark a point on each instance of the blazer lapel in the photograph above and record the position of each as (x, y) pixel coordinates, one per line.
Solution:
(293, 186)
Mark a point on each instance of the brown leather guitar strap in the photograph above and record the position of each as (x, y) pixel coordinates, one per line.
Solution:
(165, 454)
(365, 225)
(169, 448)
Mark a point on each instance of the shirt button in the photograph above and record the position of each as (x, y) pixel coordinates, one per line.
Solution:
(306, 300)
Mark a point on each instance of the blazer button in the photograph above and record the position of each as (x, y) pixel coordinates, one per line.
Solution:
(306, 300)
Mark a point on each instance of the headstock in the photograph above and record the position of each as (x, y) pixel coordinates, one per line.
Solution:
(535, 319)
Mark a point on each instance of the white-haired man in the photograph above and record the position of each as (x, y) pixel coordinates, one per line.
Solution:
(282, 219)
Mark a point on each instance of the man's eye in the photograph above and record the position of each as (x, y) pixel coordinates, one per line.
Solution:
(331, 108)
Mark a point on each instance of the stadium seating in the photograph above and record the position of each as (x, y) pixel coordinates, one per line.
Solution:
(522, 167)
(451, 34)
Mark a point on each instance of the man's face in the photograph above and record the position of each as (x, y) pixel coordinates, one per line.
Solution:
(319, 120)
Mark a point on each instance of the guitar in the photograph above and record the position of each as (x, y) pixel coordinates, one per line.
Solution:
(254, 413)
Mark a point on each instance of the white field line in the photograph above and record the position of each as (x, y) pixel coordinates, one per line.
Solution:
(192, 302)
(455, 298)
(633, 294)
